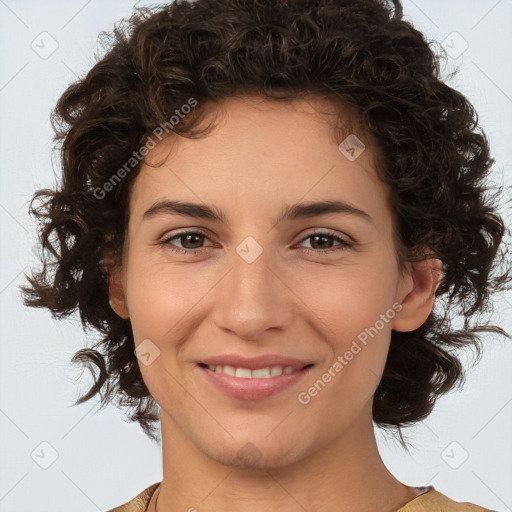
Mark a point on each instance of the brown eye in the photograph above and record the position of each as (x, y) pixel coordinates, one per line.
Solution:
(190, 241)
(321, 241)
(324, 242)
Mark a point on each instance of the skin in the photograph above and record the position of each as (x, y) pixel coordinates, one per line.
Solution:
(261, 156)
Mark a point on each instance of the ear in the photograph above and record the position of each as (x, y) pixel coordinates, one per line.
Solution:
(418, 294)
(116, 294)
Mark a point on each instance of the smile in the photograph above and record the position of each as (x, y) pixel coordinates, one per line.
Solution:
(252, 384)
(259, 373)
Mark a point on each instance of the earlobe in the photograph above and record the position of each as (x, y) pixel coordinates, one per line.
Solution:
(419, 301)
(117, 298)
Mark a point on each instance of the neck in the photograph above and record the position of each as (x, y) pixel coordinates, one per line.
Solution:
(345, 475)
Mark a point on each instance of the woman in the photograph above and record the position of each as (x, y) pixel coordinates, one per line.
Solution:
(261, 202)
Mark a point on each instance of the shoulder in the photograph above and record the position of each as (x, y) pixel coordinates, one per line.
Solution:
(434, 501)
(139, 503)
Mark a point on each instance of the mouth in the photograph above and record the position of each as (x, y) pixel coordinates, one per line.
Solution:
(256, 373)
(255, 383)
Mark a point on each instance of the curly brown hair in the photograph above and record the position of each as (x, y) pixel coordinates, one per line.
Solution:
(360, 54)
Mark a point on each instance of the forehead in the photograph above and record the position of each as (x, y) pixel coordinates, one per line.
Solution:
(264, 151)
(302, 123)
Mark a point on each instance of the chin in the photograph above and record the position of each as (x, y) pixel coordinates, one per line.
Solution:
(253, 455)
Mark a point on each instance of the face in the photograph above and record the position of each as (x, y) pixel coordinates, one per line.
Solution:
(254, 282)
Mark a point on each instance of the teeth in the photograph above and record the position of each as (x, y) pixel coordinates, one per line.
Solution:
(258, 373)
(244, 373)
(261, 373)
(228, 370)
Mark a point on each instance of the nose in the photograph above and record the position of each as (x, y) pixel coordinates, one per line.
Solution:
(253, 298)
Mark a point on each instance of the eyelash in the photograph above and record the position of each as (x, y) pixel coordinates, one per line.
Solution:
(344, 245)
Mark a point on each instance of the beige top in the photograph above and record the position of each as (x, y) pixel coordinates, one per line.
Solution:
(429, 500)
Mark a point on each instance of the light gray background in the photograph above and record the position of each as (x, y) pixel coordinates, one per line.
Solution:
(102, 460)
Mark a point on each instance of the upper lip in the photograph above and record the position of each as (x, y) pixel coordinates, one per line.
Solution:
(252, 363)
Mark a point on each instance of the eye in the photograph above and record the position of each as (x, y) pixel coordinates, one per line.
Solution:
(191, 242)
(321, 241)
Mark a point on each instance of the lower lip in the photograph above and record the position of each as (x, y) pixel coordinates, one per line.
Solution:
(253, 388)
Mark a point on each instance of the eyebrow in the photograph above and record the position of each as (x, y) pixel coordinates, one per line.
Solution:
(291, 212)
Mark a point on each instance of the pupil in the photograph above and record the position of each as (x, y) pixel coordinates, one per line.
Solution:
(316, 237)
(186, 237)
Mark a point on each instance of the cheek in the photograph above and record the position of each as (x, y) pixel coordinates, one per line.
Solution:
(157, 303)
(356, 307)
(348, 298)
(165, 300)
(358, 340)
